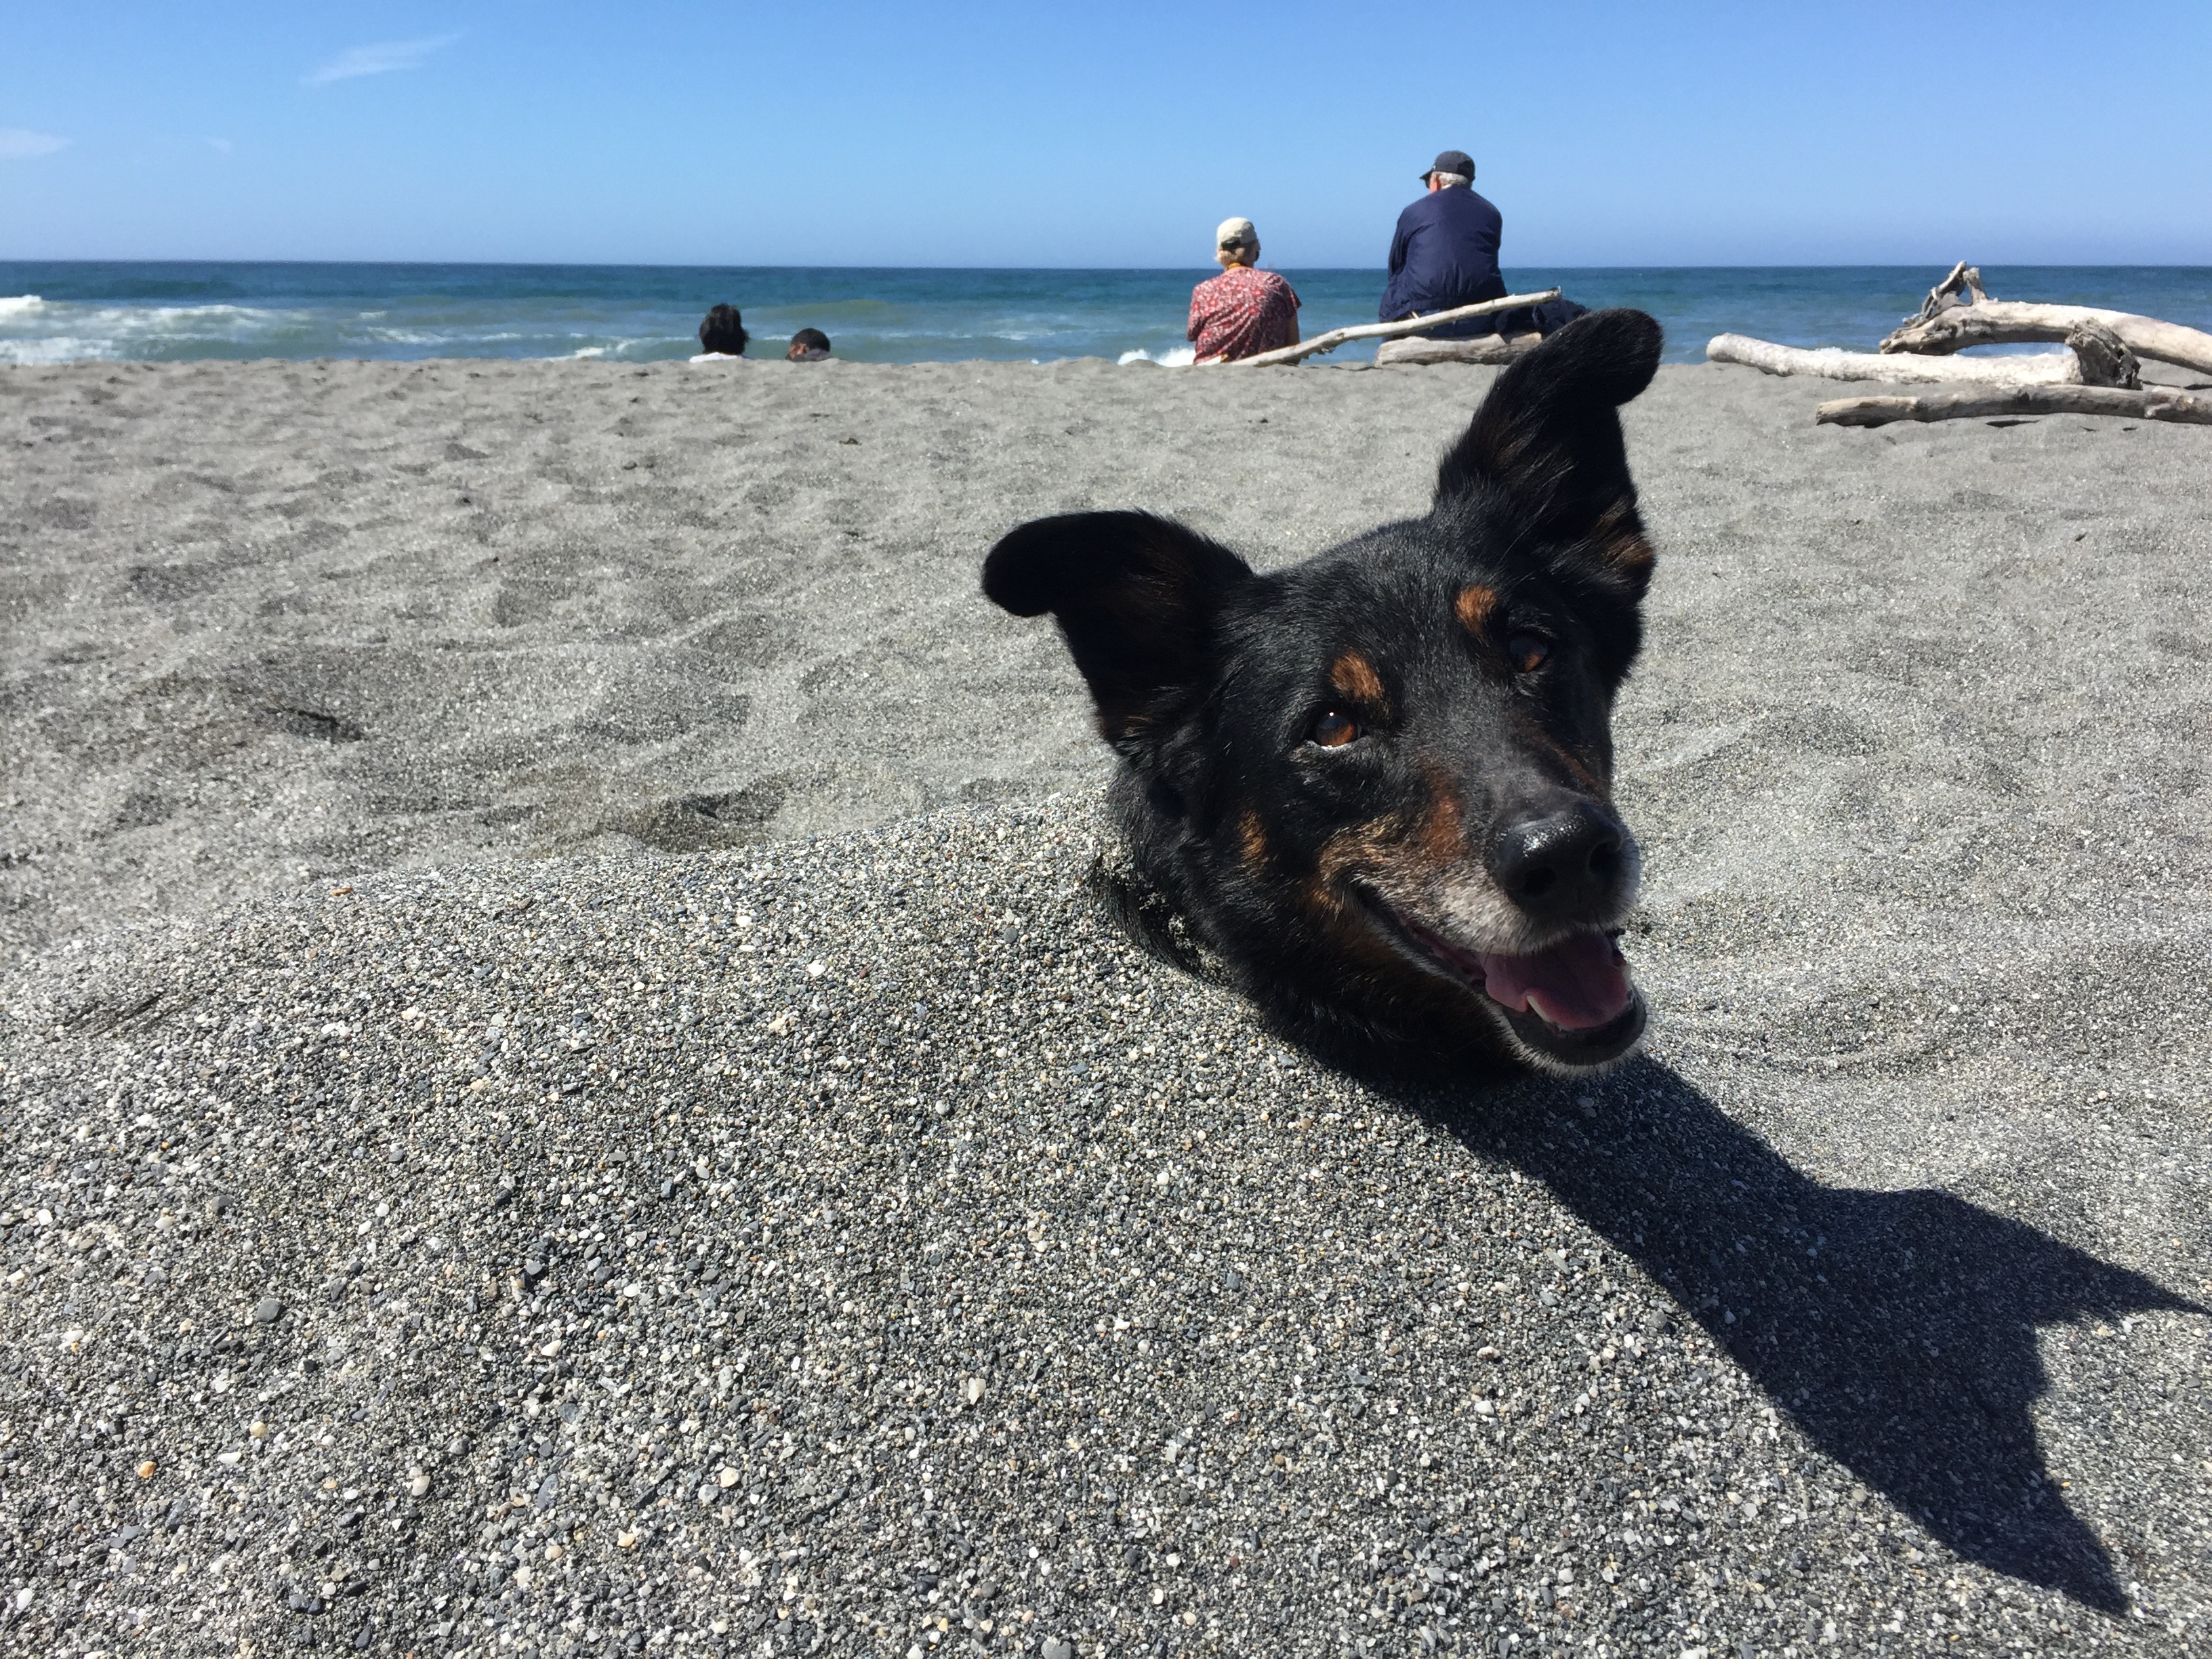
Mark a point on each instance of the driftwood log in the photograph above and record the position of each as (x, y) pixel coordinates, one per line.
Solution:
(1957, 314)
(1337, 337)
(2017, 322)
(1485, 349)
(2104, 356)
(1965, 279)
(2149, 403)
(2053, 368)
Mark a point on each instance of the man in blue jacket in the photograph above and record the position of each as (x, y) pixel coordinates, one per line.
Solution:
(1445, 252)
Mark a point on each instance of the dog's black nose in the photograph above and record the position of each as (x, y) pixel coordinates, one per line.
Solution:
(1564, 866)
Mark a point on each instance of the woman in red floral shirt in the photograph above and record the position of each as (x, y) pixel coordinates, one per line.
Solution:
(1243, 312)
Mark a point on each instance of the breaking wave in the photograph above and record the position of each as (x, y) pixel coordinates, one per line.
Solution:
(36, 331)
(1170, 357)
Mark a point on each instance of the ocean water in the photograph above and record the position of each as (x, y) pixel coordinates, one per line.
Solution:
(57, 312)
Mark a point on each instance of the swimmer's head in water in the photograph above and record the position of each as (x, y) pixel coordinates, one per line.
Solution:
(724, 331)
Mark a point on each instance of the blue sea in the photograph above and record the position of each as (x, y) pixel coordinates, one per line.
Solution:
(59, 312)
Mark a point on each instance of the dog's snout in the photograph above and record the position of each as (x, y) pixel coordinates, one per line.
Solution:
(1565, 866)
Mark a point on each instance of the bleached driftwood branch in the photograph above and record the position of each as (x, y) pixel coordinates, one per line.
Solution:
(1484, 349)
(2098, 374)
(2055, 369)
(2018, 322)
(1964, 279)
(2104, 356)
(2150, 403)
(1337, 337)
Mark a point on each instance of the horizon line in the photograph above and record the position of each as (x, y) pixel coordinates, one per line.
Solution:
(1535, 264)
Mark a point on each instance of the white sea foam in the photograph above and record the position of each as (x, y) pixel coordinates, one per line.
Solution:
(55, 348)
(121, 324)
(61, 331)
(194, 320)
(638, 350)
(1172, 357)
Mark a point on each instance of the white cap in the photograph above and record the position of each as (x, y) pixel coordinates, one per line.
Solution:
(1237, 233)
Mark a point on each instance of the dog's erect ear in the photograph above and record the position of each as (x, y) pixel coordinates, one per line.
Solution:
(1548, 439)
(1136, 597)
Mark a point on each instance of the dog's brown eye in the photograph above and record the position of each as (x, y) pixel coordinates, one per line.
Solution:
(1333, 730)
(1527, 653)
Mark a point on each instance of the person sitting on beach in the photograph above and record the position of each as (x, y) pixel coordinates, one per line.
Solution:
(722, 334)
(1243, 312)
(1445, 252)
(809, 345)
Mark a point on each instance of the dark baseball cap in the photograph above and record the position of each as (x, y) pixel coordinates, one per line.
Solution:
(1452, 160)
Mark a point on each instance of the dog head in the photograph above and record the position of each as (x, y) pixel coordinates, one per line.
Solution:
(1380, 783)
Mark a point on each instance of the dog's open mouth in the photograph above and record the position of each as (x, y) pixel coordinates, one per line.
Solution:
(1571, 1003)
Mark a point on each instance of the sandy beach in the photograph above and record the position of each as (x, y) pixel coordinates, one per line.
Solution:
(518, 1139)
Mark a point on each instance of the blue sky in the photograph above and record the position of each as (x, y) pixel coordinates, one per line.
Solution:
(1793, 131)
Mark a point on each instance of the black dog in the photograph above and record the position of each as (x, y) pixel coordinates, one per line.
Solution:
(1377, 784)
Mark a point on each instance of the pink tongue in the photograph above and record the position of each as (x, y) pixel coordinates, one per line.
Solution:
(1577, 984)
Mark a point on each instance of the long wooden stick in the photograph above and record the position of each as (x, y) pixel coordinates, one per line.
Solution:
(2057, 368)
(1337, 337)
(2018, 322)
(2151, 404)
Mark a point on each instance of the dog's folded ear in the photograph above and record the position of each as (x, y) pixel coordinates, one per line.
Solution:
(1547, 441)
(1136, 597)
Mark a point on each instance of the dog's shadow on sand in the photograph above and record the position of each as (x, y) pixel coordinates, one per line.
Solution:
(1898, 1328)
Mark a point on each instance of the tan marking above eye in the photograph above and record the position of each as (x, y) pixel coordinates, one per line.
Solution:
(1474, 606)
(1334, 730)
(1354, 676)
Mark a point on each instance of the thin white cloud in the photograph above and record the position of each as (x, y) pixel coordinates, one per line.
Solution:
(221, 146)
(20, 143)
(380, 59)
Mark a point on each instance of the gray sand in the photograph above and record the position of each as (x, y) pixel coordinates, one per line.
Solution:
(993, 1274)
(274, 618)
